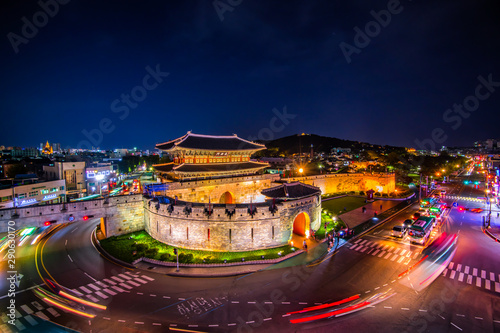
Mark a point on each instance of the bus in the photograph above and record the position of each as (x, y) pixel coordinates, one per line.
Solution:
(437, 210)
(421, 230)
(427, 202)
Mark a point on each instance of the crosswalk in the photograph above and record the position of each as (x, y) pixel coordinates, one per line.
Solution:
(458, 197)
(385, 251)
(31, 314)
(473, 276)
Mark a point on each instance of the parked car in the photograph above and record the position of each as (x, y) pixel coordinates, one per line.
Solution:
(407, 223)
(399, 231)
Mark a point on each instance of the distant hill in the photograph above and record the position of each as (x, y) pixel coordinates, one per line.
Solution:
(293, 144)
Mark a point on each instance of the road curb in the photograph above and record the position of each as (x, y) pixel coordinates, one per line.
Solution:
(489, 234)
(105, 254)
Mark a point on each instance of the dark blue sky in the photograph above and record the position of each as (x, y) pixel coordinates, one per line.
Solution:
(227, 76)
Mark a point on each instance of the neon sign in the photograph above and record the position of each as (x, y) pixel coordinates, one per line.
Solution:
(50, 197)
(28, 202)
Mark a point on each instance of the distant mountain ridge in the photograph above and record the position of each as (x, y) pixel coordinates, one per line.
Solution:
(293, 144)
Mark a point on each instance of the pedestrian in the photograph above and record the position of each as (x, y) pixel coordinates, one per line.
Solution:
(345, 209)
(380, 206)
(498, 214)
(304, 245)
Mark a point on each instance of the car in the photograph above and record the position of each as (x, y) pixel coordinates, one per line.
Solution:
(443, 192)
(416, 216)
(476, 210)
(407, 223)
(398, 231)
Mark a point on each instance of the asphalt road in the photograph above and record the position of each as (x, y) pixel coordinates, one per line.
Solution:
(466, 300)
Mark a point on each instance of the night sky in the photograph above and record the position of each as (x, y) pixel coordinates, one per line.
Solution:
(229, 67)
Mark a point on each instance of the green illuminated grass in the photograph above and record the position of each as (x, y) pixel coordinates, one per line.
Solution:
(122, 247)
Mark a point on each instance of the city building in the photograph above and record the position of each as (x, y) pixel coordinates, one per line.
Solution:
(100, 178)
(72, 173)
(29, 191)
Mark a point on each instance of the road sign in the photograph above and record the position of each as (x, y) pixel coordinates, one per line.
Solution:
(455, 204)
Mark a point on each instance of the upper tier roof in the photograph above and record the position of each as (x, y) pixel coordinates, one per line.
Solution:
(210, 142)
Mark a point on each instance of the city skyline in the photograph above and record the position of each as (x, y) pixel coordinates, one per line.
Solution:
(385, 73)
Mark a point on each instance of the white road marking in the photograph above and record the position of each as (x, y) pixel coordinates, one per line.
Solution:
(139, 280)
(266, 319)
(126, 277)
(461, 277)
(441, 316)
(460, 315)
(93, 287)
(400, 259)
(26, 309)
(156, 324)
(86, 290)
(474, 271)
(31, 320)
(101, 295)
(166, 296)
(388, 255)
(469, 279)
(53, 312)
(456, 326)
(403, 252)
(101, 284)
(70, 258)
(478, 282)
(422, 310)
(466, 270)
(147, 278)
(387, 307)
(497, 287)
(478, 318)
(133, 283)
(483, 274)
(66, 242)
(90, 277)
(381, 253)
(492, 276)
(375, 252)
(397, 250)
(406, 309)
(445, 271)
(394, 258)
(117, 279)
(235, 302)
(112, 293)
(459, 267)
(125, 285)
(452, 275)
(487, 284)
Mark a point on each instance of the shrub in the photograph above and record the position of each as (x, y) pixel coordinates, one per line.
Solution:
(186, 258)
(361, 192)
(165, 256)
(151, 253)
(384, 195)
(141, 247)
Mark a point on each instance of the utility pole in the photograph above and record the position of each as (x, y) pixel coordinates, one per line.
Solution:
(420, 191)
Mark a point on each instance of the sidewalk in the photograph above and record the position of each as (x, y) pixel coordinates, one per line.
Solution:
(315, 251)
(356, 217)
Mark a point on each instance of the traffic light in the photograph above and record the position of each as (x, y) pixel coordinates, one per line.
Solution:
(466, 182)
(175, 251)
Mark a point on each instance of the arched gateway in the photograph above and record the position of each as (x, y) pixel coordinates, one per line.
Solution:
(301, 224)
(227, 198)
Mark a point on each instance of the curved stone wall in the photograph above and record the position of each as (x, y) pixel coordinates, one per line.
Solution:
(229, 227)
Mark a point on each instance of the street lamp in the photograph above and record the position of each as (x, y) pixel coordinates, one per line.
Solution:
(301, 170)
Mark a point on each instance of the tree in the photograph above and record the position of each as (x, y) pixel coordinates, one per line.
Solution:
(16, 169)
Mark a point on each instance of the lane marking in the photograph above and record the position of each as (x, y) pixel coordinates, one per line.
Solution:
(90, 276)
(456, 326)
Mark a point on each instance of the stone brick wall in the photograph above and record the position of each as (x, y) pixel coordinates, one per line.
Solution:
(239, 232)
(242, 189)
(334, 183)
(123, 214)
